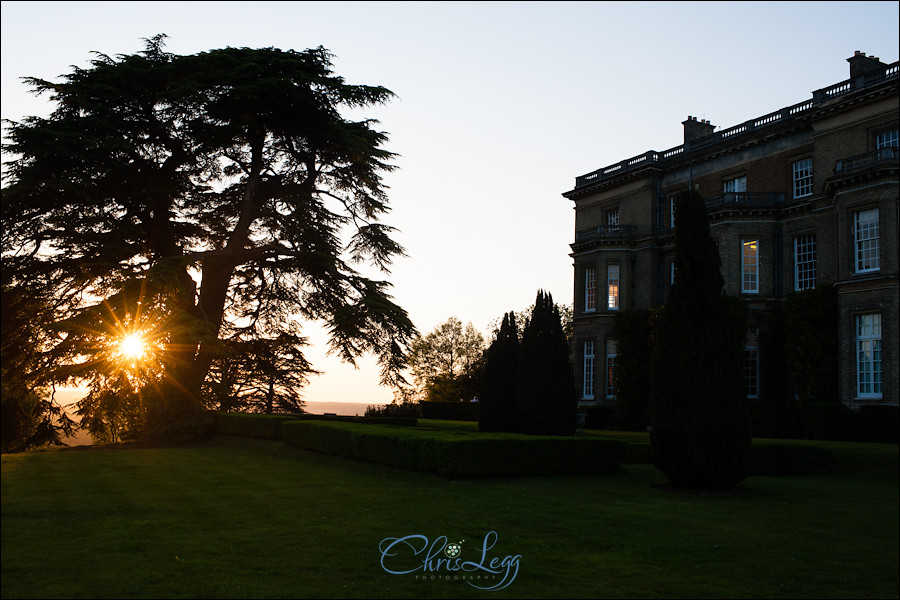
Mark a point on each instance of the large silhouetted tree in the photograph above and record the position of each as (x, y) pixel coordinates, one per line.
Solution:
(176, 196)
(699, 413)
(497, 409)
(546, 385)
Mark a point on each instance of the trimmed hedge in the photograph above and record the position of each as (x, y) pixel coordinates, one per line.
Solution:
(787, 459)
(252, 425)
(877, 423)
(450, 411)
(869, 423)
(457, 454)
(765, 459)
(831, 421)
(399, 421)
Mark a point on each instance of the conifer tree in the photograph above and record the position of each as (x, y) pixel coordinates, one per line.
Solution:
(497, 410)
(546, 387)
(699, 413)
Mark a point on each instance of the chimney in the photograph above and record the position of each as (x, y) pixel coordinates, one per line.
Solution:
(694, 129)
(861, 66)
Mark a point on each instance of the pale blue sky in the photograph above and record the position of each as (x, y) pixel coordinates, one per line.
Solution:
(500, 106)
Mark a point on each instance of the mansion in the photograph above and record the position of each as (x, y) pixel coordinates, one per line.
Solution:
(802, 197)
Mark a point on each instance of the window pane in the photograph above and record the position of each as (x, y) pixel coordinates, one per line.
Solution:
(751, 371)
(805, 262)
(802, 170)
(866, 240)
(610, 368)
(750, 267)
(612, 286)
(887, 139)
(590, 289)
(588, 387)
(868, 355)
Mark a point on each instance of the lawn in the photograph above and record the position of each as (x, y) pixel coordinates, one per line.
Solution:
(236, 517)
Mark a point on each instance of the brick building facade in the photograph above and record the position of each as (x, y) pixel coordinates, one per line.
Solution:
(801, 197)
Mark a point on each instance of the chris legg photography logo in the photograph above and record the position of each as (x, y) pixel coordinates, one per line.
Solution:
(445, 560)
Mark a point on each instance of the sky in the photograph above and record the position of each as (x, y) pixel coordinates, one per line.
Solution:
(499, 106)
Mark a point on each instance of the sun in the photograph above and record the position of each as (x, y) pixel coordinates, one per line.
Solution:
(132, 346)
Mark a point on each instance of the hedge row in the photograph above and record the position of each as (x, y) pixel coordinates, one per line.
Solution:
(765, 459)
(457, 454)
(256, 425)
(467, 454)
(451, 411)
(252, 425)
(870, 423)
(399, 421)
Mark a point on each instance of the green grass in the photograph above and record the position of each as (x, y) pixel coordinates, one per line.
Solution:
(252, 518)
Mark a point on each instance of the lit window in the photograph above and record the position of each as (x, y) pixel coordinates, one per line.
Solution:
(868, 356)
(610, 368)
(612, 287)
(803, 179)
(751, 371)
(612, 217)
(590, 289)
(804, 262)
(887, 139)
(588, 387)
(865, 237)
(750, 267)
(738, 184)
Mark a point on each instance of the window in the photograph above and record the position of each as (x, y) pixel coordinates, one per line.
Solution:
(590, 289)
(672, 272)
(803, 183)
(865, 237)
(750, 267)
(612, 217)
(868, 356)
(610, 368)
(612, 287)
(738, 184)
(672, 211)
(804, 262)
(887, 139)
(588, 387)
(751, 371)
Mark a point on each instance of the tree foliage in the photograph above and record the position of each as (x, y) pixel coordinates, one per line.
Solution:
(497, 402)
(529, 385)
(185, 196)
(259, 374)
(811, 344)
(699, 413)
(446, 364)
(30, 416)
(546, 386)
(634, 332)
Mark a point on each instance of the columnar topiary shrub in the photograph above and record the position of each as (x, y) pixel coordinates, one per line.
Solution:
(546, 390)
(497, 405)
(632, 386)
(699, 414)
